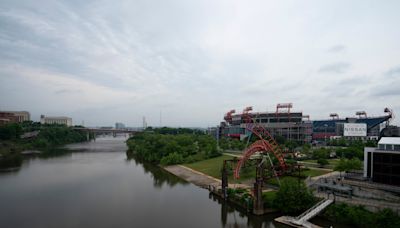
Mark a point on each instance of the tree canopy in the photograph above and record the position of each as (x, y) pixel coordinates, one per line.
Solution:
(293, 197)
(168, 149)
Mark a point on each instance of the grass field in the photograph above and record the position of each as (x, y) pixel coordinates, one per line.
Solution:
(314, 172)
(213, 166)
(331, 161)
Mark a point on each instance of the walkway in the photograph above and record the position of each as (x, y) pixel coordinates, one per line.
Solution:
(198, 178)
(302, 220)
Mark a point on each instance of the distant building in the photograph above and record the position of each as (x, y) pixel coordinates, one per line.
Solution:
(119, 126)
(382, 164)
(287, 124)
(62, 120)
(14, 117)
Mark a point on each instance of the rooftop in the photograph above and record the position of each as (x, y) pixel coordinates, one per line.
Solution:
(390, 140)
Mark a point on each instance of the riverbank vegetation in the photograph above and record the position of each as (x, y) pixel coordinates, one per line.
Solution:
(44, 137)
(358, 216)
(292, 198)
(169, 146)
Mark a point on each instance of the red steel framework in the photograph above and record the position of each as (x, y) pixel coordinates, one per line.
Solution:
(265, 144)
(228, 116)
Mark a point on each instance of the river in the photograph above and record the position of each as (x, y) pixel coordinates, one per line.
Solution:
(95, 185)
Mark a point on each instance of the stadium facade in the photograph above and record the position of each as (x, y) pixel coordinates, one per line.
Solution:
(297, 127)
(290, 125)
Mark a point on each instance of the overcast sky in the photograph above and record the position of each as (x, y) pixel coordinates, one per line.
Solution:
(106, 61)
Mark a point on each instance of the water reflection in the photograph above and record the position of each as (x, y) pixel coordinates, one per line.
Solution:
(233, 216)
(97, 186)
(159, 175)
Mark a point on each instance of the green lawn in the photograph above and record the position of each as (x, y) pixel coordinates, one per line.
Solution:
(314, 172)
(304, 173)
(331, 161)
(211, 167)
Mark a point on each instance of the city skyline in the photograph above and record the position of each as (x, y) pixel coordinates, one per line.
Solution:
(103, 62)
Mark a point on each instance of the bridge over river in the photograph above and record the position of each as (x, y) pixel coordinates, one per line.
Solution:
(112, 131)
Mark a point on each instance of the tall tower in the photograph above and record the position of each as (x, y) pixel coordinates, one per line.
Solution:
(144, 123)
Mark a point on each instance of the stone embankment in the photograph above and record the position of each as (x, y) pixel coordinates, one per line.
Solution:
(198, 178)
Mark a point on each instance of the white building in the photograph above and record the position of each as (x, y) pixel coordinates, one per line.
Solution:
(62, 120)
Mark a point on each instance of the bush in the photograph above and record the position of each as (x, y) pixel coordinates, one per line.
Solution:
(10, 131)
(358, 216)
(172, 159)
(322, 161)
(293, 197)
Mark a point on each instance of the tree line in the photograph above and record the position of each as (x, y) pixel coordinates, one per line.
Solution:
(162, 147)
(11, 143)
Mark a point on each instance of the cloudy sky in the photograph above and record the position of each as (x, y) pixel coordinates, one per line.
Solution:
(107, 61)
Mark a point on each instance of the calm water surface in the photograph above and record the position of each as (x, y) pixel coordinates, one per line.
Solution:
(96, 186)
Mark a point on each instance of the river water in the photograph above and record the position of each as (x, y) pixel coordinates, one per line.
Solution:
(97, 186)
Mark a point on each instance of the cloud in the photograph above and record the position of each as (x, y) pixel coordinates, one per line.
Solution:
(395, 92)
(68, 91)
(393, 72)
(338, 68)
(102, 61)
(337, 49)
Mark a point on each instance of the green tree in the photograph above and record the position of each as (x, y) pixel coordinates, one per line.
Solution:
(345, 165)
(340, 166)
(10, 131)
(322, 161)
(354, 164)
(293, 197)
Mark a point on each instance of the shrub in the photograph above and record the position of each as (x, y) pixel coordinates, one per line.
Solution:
(293, 197)
(172, 159)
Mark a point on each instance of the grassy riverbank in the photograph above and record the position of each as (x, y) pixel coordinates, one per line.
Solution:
(212, 167)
